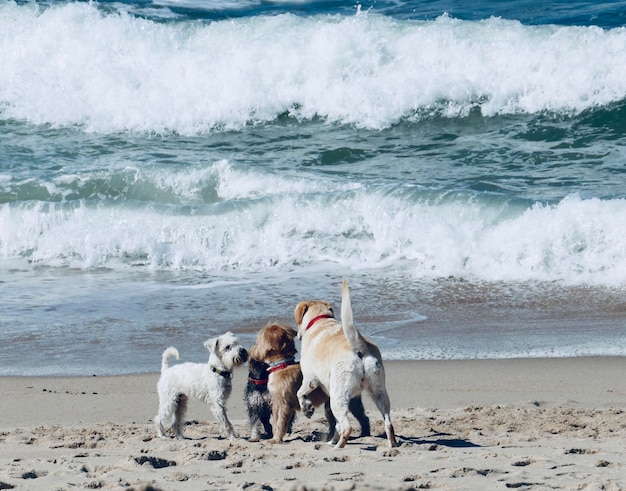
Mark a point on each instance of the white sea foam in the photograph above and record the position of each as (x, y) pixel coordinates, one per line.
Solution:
(209, 4)
(246, 229)
(72, 64)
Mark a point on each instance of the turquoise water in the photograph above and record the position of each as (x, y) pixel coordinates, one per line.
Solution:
(171, 170)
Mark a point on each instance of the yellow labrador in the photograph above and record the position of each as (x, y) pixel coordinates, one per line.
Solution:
(337, 358)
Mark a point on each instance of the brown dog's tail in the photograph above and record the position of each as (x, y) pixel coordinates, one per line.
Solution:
(170, 352)
(355, 340)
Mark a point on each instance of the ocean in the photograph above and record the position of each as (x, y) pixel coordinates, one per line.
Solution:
(173, 169)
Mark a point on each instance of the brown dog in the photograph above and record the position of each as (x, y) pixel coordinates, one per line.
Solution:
(338, 359)
(276, 346)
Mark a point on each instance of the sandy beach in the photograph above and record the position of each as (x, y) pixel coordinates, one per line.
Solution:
(492, 424)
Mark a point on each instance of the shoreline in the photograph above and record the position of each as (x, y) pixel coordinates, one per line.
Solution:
(442, 384)
(470, 424)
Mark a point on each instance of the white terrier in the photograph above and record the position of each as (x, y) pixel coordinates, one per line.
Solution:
(209, 382)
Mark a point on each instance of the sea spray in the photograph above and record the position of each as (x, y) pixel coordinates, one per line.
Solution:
(77, 65)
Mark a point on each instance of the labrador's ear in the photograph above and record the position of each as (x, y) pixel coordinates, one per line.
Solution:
(299, 312)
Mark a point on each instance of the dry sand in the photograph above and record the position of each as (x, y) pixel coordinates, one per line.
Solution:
(505, 424)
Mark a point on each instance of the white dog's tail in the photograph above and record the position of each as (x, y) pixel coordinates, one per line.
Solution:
(347, 321)
(170, 352)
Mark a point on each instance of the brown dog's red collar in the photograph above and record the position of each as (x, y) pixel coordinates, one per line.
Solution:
(279, 365)
(315, 319)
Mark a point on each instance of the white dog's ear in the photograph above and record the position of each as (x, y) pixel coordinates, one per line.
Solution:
(211, 344)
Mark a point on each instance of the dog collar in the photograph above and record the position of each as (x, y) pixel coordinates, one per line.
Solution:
(223, 373)
(315, 319)
(257, 381)
(279, 365)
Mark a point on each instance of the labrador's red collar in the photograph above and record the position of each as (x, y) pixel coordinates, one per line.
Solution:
(315, 319)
